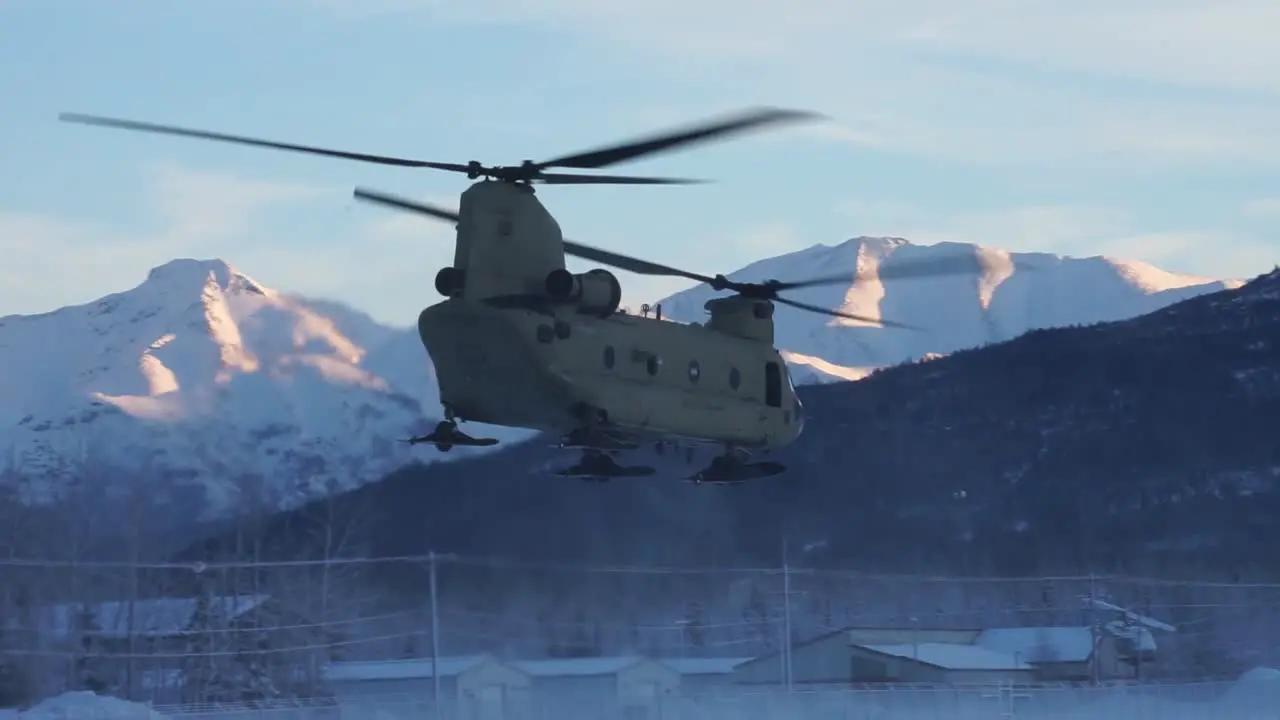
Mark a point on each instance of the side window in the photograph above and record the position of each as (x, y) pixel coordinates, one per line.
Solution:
(735, 378)
(772, 385)
(608, 357)
(653, 364)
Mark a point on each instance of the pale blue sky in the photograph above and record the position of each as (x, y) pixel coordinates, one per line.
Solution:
(1144, 129)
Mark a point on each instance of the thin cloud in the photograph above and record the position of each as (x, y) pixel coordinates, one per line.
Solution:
(1262, 208)
(1225, 44)
(992, 82)
(196, 205)
(56, 260)
(1079, 231)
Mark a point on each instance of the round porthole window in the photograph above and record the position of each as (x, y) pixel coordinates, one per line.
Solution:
(735, 378)
(653, 364)
(695, 371)
(608, 356)
(545, 333)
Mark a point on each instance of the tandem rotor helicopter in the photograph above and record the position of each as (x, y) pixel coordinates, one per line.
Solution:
(519, 341)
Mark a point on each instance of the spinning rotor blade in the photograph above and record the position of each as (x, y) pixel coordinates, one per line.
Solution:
(763, 291)
(837, 313)
(526, 172)
(586, 252)
(931, 267)
(567, 179)
(630, 264)
(612, 155)
(403, 204)
(206, 135)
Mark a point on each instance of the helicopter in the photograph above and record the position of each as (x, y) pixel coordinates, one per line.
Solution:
(520, 341)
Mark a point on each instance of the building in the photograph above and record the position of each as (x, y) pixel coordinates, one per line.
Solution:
(943, 656)
(590, 687)
(698, 675)
(1061, 654)
(935, 663)
(473, 687)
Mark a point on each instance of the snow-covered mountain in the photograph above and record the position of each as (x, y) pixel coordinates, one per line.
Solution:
(1006, 295)
(224, 391)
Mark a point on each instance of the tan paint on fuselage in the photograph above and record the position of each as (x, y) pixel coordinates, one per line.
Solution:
(492, 368)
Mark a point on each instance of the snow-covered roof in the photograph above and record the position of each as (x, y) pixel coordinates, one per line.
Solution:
(410, 669)
(951, 656)
(150, 616)
(1040, 644)
(1145, 640)
(578, 667)
(704, 666)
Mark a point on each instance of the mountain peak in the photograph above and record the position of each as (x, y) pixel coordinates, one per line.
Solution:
(187, 273)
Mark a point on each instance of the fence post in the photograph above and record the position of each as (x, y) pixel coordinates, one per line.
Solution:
(435, 640)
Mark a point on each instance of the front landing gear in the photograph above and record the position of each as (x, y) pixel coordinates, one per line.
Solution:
(446, 436)
(597, 466)
(733, 468)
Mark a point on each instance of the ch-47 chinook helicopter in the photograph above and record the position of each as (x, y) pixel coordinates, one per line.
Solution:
(519, 341)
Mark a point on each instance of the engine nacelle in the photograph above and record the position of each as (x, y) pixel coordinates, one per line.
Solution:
(595, 292)
(450, 281)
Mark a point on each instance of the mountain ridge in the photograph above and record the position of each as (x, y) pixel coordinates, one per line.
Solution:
(228, 394)
(1059, 452)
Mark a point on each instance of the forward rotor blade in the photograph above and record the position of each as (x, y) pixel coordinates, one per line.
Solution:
(374, 196)
(628, 263)
(567, 179)
(838, 313)
(671, 140)
(206, 135)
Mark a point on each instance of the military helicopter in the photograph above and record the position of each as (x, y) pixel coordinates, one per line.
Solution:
(520, 341)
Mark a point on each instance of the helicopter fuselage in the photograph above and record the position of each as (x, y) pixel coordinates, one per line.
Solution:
(639, 375)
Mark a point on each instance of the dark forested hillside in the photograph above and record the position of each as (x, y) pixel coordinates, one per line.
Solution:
(1148, 445)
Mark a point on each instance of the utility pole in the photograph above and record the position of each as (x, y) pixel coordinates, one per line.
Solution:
(435, 640)
(786, 616)
(1095, 672)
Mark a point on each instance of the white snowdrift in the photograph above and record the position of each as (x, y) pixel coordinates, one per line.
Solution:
(85, 705)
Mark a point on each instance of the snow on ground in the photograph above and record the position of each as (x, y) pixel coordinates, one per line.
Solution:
(84, 705)
(1255, 696)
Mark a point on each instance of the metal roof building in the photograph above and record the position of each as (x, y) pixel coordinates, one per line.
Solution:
(472, 687)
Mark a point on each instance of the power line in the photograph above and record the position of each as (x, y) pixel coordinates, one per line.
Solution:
(201, 567)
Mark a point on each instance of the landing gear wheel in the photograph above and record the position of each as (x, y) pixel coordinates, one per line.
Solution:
(446, 436)
(597, 466)
(733, 468)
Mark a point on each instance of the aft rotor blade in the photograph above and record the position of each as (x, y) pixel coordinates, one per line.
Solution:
(628, 263)
(222, 137)
(671, 140)
(374, 196)
(586, 252)
(568, 179)
(841, 314)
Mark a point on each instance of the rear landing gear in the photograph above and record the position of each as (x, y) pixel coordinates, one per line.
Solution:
(598, 466)
(734, 468)
(446, 436)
